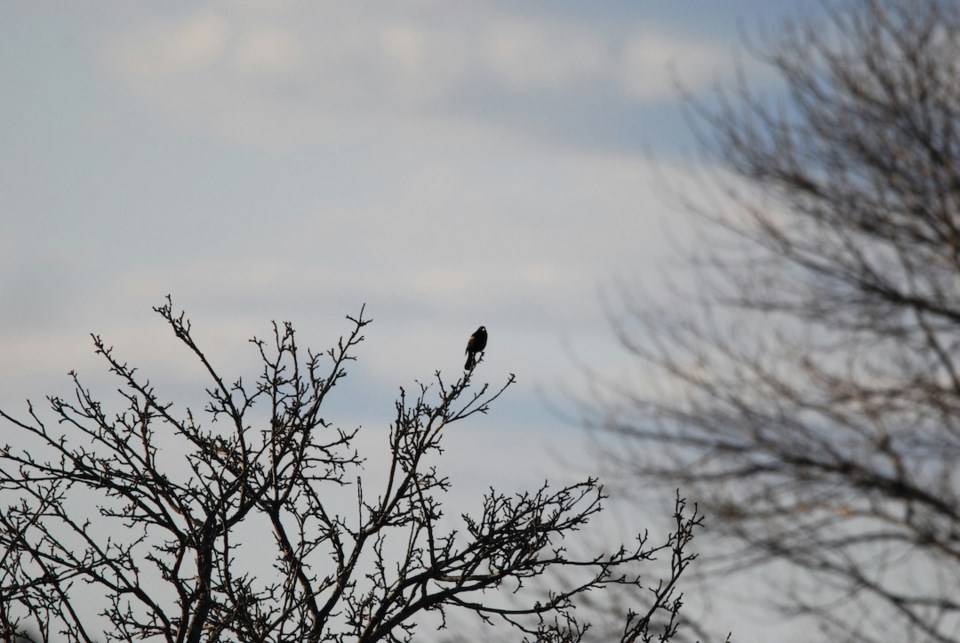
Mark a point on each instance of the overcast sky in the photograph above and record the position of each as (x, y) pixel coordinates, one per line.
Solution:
(449, 164)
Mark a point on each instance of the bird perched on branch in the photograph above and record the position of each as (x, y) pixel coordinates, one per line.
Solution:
(476, 344)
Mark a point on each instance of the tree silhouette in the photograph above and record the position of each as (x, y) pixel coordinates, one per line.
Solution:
(809, 396)
(173, 522)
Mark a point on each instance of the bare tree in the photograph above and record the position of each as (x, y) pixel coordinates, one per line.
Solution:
(264, 526)
(808, 396)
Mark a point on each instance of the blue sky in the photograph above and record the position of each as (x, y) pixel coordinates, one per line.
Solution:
(448, 164)
(295, 159)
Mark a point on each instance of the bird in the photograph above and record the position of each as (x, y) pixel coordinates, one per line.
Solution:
(476, 344)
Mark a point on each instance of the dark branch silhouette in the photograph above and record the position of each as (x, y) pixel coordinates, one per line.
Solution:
(810, 398)
(261, 524)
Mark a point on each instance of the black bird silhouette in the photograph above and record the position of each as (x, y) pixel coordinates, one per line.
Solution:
(476, 344)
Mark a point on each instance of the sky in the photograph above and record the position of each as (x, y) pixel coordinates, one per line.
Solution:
(444, 164)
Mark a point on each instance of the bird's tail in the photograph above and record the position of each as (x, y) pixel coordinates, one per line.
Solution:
(471, 362)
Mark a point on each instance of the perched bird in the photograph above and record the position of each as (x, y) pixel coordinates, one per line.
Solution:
(476, 344)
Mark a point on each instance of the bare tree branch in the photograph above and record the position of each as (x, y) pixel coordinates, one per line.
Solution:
(810, 399)
(171, 520)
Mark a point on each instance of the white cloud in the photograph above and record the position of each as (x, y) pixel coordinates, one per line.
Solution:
(651, 63)
(528, 55)
(303, 72)
(193, 43)
(407, 46)
(270, 50)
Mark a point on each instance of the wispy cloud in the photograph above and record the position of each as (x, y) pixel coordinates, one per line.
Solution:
(321, 70)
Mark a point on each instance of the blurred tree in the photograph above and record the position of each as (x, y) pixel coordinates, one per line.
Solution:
(808, 395)
(172, 523)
